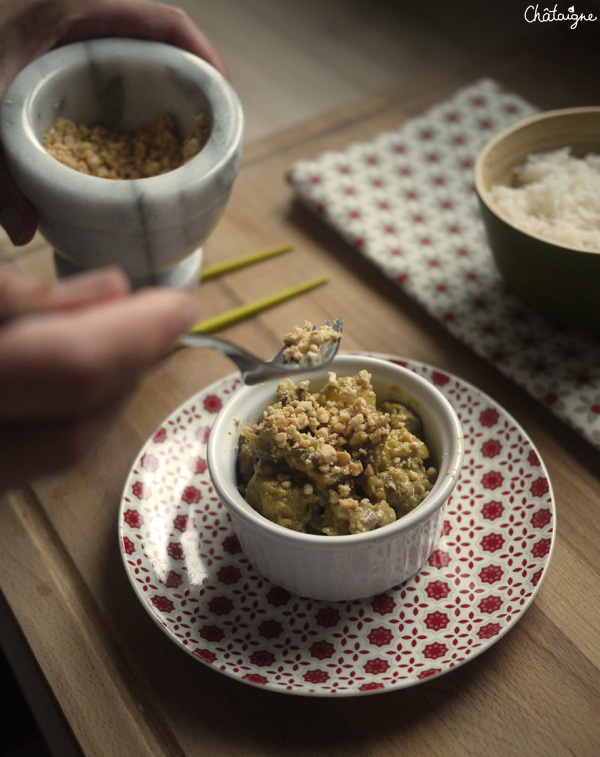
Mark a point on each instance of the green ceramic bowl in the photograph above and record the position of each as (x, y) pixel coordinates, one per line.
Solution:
(562, 283)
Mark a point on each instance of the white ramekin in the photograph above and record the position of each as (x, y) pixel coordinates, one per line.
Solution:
(357, 565)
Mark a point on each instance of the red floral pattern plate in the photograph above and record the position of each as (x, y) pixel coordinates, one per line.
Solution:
(186, 566)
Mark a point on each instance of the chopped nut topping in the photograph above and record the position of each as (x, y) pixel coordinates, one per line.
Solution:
(305, 342)
(116, 154)
(333, 461)
(327, 454)
(339, 431)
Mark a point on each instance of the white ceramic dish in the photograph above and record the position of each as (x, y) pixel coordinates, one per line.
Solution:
(357, 565)
(153, 228)
(187, 569)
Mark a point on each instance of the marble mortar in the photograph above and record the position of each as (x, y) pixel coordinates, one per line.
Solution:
(152, 228)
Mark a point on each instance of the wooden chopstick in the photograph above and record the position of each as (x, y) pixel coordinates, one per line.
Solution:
(229, 317)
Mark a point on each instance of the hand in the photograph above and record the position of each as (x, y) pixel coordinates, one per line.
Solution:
(29, 28)
(65, 372)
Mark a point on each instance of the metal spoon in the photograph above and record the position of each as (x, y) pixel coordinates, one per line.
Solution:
(253, 369)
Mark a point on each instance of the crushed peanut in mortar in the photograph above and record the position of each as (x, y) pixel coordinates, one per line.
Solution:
(151, 150)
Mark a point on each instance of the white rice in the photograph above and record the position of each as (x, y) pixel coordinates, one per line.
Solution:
(557, 197)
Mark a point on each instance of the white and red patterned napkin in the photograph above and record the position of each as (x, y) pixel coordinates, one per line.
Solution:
(406, 201)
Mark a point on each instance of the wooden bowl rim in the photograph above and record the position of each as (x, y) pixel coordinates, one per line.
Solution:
(526, 123)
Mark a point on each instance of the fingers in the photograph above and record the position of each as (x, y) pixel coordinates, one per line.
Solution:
(17, 289)
(20, 294)
(85, 289)
(66, 365)
(65, 372)
(142, 19)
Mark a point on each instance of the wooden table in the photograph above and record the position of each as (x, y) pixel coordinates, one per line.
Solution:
(103, 677)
